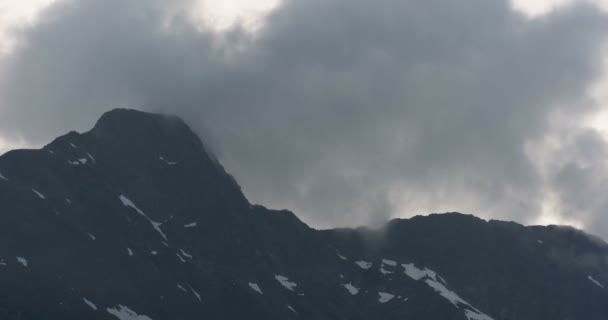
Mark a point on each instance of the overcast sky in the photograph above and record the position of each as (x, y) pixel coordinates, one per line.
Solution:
(347, 112)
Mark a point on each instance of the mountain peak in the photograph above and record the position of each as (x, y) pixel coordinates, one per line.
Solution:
(129, 123)
(134, 217)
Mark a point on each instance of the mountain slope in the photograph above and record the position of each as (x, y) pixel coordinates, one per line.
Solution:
(136, 220)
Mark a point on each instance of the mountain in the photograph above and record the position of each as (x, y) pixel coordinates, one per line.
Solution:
(136, 220)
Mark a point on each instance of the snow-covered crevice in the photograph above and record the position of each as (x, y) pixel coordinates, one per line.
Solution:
(597, 283)
(195, 293)
(185, 254)
(156, 225)
(3, 177)
(40, 195)
(91, 157)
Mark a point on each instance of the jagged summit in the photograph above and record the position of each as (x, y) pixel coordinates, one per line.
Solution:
(136, 220)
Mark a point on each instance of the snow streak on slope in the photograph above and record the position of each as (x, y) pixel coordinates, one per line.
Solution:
(89, 303)
(430, 278)
(23, 261)
(417, 274)
(597, 283)
(255, 287)
(128, 203)
(40, 195)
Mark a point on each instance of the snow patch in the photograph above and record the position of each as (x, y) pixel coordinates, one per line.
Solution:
(385, 297)
(417, 274)
(292, 309)
(92, 236)
(180, 258)
(73, 146)
(89, 303)
(129, 251)
(40, 195)
(364, 264)
(23, 261)
(284, 281)
(341, 256)
(78, 162)
(190, 225)
(179, 286)
(351, 289)
(3, 177)
(171, 163)
(255, 287)
(384, 271)
(389, 262)
(124, 313)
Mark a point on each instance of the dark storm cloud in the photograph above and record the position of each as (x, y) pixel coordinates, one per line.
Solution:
(347, 112)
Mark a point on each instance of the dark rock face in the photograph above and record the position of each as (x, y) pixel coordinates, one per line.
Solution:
(136, 220)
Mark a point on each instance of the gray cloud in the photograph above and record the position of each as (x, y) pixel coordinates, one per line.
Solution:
(347, 112)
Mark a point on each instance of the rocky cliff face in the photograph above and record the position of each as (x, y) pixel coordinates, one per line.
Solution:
(136, 220)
